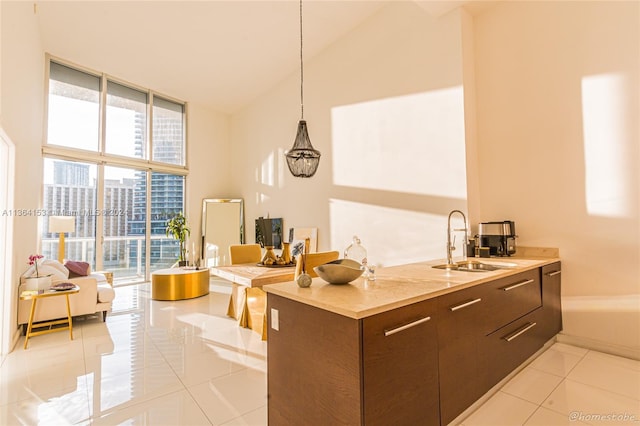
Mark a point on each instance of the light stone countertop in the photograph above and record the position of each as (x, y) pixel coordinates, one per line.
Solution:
(401, 285)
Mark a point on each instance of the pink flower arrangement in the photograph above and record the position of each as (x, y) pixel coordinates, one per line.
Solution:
(33, 260)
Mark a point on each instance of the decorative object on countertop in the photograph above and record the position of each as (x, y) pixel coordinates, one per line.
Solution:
(269, 257)
(286, 254)
(371, 272)
(177, 228)
(357, 252)
(341, 271)
(302, 158)
(272, 260)
(304, 280)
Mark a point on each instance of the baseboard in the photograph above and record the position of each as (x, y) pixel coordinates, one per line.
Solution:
(596, 345)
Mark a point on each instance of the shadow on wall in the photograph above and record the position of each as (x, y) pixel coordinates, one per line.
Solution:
(399, 168)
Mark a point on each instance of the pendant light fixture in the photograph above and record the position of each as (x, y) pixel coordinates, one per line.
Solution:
(302, 158)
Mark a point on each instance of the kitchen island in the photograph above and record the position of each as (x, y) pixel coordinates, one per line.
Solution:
(416, 346)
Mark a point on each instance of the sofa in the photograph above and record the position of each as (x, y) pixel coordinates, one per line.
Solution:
(95, 296)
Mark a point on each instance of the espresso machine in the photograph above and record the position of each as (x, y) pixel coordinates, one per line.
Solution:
(499, 237)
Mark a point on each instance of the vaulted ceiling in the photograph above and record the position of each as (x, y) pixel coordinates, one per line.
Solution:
(220, 54)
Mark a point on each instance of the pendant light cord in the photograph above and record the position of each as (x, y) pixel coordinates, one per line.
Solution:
(301, 70)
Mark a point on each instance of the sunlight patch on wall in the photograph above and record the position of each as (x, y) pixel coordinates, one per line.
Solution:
(410, 144)
(272, 169)
(267, 170)
(281, 167)
(607, 171)
(391, 236)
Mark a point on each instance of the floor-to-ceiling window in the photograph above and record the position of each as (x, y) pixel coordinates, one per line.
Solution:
(114, 157)
(70, 190)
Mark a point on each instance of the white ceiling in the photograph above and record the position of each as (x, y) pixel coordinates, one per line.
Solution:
(220, 54)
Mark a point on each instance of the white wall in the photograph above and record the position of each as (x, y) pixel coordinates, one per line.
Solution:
(208, 161)
(557, 110)
(22, 110)
(385, 107)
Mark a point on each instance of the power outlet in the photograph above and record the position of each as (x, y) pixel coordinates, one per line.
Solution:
(275, 319)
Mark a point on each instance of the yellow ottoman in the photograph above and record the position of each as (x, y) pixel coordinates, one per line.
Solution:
(178, 283)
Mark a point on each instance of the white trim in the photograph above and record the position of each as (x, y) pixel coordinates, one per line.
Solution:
(595, 345)
(73, 154)
(100, 154)
(147, 224)
(99, 219)
(7, 168)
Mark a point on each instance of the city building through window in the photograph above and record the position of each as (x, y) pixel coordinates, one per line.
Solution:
(104, 175)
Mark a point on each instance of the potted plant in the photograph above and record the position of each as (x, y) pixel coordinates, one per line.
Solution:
(37, 281)
(177, 228)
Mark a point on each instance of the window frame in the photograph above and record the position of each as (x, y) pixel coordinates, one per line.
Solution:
(101, 158)
(101, 155)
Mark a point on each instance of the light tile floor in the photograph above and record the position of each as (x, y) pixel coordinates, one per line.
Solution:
(186, 363)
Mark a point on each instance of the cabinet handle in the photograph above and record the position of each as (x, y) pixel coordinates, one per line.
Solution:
(520, 284)
(404, 327)
(464, 305)
(520, 331)
(554, 273)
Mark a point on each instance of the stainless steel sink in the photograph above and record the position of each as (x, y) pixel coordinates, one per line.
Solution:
(471, 265)
(468, 266)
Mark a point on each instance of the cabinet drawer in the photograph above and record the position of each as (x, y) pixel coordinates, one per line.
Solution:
(512, 297)
(400, 366)
(461, 317)
(461, 322)
(511, 345)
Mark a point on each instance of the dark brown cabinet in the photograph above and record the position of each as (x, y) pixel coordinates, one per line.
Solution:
(424, 363)
(551, 278)
(533, 301)
(511, 345)
(400, 366)
(325, 368)
(511, 297)
(461, 327)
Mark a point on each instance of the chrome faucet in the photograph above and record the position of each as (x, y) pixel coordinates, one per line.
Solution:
(451, 245)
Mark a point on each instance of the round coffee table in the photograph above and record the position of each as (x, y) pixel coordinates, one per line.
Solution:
(179, 283)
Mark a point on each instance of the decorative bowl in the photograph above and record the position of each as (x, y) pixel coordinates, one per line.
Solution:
(341, 271)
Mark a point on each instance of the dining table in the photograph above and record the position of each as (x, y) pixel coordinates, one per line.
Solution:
(247, 280)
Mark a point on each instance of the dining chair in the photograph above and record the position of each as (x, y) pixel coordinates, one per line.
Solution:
(245, 253)
(313, 260)
(239, 254)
